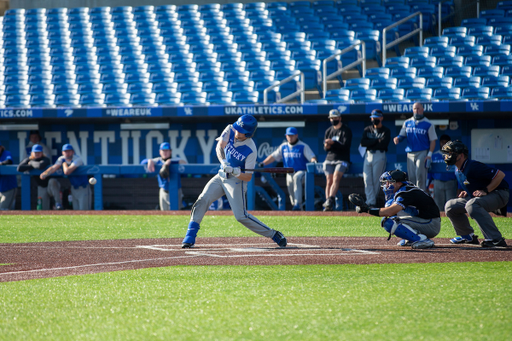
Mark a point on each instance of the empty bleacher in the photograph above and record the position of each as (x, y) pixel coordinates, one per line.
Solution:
(228, 54)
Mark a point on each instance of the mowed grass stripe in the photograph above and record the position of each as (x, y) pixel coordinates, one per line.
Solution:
(449, 301)
(27, 229)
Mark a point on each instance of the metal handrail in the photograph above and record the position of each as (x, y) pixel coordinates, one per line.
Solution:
(400, 39)
(286, 80)
(361, 60)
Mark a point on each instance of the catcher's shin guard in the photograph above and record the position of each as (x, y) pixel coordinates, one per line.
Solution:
(190, 238)
(400, 230)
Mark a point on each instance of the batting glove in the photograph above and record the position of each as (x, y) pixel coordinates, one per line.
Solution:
(236, 172)
(227, 169)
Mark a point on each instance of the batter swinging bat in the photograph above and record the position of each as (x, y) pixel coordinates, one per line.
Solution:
(279, 170)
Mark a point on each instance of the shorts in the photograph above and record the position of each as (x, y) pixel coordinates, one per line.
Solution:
(335, 166)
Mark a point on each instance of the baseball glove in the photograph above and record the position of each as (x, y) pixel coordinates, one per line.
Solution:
(164, 172)
(358, 201)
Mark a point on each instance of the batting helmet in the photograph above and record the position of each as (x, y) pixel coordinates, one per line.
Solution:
(246, 124)
(452, 149)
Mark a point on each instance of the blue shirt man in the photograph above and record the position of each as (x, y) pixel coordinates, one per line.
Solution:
(165, 160)
(295, 154)
(8, 183)
(421, 141)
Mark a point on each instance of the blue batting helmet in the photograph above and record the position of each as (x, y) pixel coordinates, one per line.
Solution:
(247, 125)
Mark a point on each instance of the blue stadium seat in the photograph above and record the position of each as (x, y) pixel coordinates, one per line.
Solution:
(358, 83)
(436, 41)
(466, 50)
(493, 70)
(418, 94)
(92, 100)
(220, 98)
(479, 31)
(114, 88)
(455, 31)
(168, 98)
(371, 38)
(477, 60)
(494, 39)
(143, 99)
(455, 71)
(395, 62)
(480, 93)
(447, 61)
(89, 88)
(502, 60)
(493, 81)
(363, 96)
(42, 100)
(409, 72)
(383, 83)
(438, 51)
(378, 72)
(245, 97)
(496, 50)
(67, 100)
(117, 99)
(504, 29)
(446, 94)
(391, 95)
(420, 61)
(491, 13)
(17, 101)
(461, 41)
(337, 96)
(416, 51)
(214, 87)
(466, 82)
(408, 83)
(471, 22)
(430, 72)
(502, 93)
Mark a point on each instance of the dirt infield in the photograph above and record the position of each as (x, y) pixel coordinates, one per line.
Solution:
(55, 259)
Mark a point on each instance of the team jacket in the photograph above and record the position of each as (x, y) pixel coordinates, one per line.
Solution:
(418, 133)
(376, 138)
(416, 202)
(76, 180)
(295, 156)
(7, 182)
(40, 163)
(340, 150)
(475, 175)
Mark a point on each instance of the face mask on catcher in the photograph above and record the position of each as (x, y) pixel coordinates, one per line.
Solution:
(335, 122)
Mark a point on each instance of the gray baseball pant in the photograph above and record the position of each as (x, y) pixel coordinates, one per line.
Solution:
(478, 209)
(82, 198)
(444, 191)
(295, 184)
(235, 190)
(7, 199)
(373, 167)
(428, 227)
(416, 170)
(53, 190)
(165, 200)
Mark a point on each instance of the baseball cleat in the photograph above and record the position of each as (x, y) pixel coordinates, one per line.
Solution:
(494, 243)
(280, 239)
(187, 245)
(423, 244)
(466, 239)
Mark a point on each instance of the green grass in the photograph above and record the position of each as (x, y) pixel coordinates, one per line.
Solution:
(25, 229)
(448, 301)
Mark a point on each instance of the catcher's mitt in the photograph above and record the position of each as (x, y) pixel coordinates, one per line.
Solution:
(358, 201)
(164, 172)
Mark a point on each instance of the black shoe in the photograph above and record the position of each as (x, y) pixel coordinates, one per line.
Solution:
(502, 211)
(187, 246)
(494, 243)
(329, 204)
(280, 239)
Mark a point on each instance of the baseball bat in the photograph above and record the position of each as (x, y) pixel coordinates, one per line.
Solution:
(280, 170)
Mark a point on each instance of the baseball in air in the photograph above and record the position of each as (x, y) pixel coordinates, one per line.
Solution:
(93, 181)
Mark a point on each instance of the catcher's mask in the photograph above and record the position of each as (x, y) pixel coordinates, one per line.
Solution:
(451, 151)
(390, 178)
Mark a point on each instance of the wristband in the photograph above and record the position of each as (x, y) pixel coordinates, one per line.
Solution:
(429, 154)
(374, 211)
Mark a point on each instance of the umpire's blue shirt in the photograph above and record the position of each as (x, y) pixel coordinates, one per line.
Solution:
(475, 175)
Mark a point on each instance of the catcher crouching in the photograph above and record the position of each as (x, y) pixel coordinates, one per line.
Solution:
(409, 213)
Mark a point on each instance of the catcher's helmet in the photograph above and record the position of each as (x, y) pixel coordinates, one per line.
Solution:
(246, 124)
(392, 177)
(452, 149)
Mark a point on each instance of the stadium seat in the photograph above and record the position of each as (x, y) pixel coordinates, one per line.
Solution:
(461, 41)
(92, 100)
(430, 72)
(67, 100)
(409, 72)
(408, 83)
(502, 60)
(395, 62)
(143, 99)
(416, 51)
(446, 94)
(467, 50)
(455, 31)
(480, 93)
(446, 61)
(337, 96)
(362, 95)
(117, 99)
(378, 72)
(490, 13)
(438, 51)
(454, 71)
(496, 50)
(502, 93)
(479, 31)
(383, 83)
(220, 98)
(42, 100)
(471, 22)
(493, 81)
(420, 61)
(357, 83)
(418, 94)
(436, 41)
(391, 95)
(245, 97)
(466, 82)
(477, 61)
(493, 70)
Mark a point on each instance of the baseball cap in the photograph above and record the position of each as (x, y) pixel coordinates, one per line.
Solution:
(376, 113)
(67, 146)
(334, 113)
(165, 146)
(291, 131)
(37, 148)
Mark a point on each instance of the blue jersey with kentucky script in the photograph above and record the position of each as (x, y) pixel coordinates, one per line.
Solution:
(7, 182)
(418, 134)
(475, 175)
(295, 156)
(437, 158)
(236, 156)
